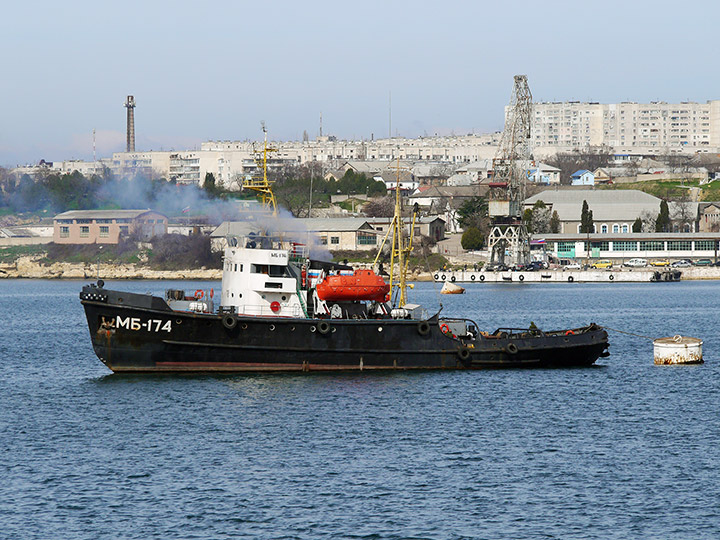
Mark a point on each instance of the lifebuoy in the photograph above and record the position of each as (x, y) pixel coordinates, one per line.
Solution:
(464, 354)
(452, 278)
(482, 278)
(443, 277)
(229, 321)
(521, 277)
(612, 277)
(569, 333)
(444, 328)
(472, 277)
(323, 327)
(511, 348)
(423, 328)
(570, 279)
(199, 294)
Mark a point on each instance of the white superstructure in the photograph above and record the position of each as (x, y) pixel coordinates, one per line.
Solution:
(260, 282)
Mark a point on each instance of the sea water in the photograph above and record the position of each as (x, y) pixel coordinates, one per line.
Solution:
(623, 450)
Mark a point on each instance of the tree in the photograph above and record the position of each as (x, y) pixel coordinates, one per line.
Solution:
(210, 186)
(555, 222)
(586, 219)
(637, 225)
(380, 207)
(662, 223)
(473, 212)
(472, 239)
(540, 218)
(527, 218)
(648, 221)
(683, 216)
(291, 187)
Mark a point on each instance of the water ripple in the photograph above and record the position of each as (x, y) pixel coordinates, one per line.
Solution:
(627, 450)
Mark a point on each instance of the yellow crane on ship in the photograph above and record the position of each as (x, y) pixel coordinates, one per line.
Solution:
(259, 182)
(401, 247)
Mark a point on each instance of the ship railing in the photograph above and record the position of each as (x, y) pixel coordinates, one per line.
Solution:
(517, 333)
(298, 251)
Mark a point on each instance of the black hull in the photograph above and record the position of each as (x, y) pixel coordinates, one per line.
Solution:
(139, 333)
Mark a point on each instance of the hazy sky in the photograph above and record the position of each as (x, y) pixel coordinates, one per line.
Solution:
(215, 70)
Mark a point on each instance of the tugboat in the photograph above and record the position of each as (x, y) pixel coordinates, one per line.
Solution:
(280, 310)
(273, 316)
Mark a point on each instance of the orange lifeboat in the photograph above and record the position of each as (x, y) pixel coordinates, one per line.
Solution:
(362, 285)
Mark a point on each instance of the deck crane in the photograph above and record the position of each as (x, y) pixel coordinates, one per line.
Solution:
(508, 234)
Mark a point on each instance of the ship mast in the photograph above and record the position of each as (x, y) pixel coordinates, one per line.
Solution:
(260, 183)
(400, 250)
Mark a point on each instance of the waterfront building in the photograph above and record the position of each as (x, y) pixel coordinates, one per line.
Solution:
(106, 226)
(619, 247)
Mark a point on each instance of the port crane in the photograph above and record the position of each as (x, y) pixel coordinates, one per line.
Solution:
(508, 235)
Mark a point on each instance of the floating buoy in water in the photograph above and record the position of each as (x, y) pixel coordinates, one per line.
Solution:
(678, 350)
(451, 288)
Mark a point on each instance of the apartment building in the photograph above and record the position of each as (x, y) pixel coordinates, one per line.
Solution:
(684, 126)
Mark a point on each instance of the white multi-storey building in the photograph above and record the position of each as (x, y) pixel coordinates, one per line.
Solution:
(626, 128)
(679, 127)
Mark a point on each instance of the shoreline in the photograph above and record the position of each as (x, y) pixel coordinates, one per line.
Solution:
(27, 268)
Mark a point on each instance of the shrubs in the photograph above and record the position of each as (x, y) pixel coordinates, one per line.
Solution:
(176, 251)
(472, 239)
(166, 252)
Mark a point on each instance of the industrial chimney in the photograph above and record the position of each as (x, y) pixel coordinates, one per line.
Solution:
(130, 104)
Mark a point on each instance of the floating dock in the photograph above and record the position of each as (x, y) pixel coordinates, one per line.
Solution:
(559, 276)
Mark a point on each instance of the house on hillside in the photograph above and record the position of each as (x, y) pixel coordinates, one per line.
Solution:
(430, 226)
(408, 182)
(583, 177)
(543, 173)
(333, 234)
(106, 226)
(446, 200)
(343, 234)
(477, 171)
(709, 217)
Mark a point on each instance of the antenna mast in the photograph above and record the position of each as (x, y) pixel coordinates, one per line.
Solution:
(507, 189)
(260, 183)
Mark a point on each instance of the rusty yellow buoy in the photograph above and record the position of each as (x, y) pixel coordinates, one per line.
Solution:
(678, 350)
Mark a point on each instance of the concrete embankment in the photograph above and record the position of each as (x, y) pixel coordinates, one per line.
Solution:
(31, 268)
(616, 275)
(27, 267)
